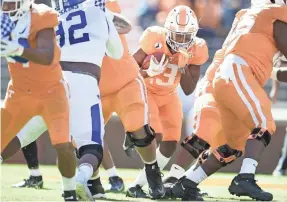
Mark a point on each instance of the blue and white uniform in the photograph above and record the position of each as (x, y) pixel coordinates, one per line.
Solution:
(83, 34)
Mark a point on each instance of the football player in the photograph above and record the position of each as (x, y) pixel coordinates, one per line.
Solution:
(245, 69)
(182, 55)
(37, 86)
(87, 127)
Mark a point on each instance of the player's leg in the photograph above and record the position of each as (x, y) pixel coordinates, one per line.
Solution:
(281, 167)
(27, 139)
(35, 179)
(134, 116)
(15, 113)
(94, 184)
(56, 114)
(87, 127)
(254, 109)
(116, 182)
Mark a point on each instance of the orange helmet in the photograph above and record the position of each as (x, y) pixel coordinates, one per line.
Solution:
(182, 26)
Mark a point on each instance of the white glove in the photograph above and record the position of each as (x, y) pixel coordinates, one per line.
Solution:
(11, 48)
(155, 67)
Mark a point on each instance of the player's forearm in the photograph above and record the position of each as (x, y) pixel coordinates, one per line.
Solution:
(189, 79)
(39, 56)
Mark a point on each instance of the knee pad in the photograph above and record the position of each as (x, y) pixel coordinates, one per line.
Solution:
(144, 142)
(195, 145)
(261, 135)
(226, 154)
(94, 149)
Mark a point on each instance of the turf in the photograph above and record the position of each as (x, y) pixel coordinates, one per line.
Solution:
(216, 186)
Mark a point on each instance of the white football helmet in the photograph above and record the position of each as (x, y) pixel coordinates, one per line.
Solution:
(182, 26)
(15, 9)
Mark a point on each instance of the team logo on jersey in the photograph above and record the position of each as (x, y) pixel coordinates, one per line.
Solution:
(158, 46)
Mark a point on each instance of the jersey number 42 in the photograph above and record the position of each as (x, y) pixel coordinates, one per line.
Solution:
(80, 17)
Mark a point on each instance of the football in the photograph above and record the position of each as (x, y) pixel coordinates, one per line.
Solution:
(158, 56)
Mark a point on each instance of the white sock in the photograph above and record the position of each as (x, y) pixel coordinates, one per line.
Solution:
(162, 161)
(140, 180)
(69, 184)
(85, 172)
(197, 175)
(112, 172)
(175, 171)
(35, 172)
(248, 166)
(1, 159)
(152, 162)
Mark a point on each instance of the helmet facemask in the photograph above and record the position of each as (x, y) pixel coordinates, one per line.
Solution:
(180, 40)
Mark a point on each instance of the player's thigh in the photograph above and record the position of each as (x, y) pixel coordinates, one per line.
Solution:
(33, 129)
(56, 113)
(246, 99)
(15, 112)
(235, 132)
(171, 117)
(86, 117)
(207, 122)
(107, 107)
(132, 106)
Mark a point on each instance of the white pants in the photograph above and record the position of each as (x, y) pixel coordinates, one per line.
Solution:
(187, 108)
(86, 118)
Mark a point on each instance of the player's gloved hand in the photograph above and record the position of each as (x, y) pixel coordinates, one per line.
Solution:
(11, 48)
(183, 57)
(155, 67)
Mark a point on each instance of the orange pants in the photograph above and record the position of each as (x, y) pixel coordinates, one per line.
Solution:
(130, 103)
(19, 107)
(166, 115)
(242, 102)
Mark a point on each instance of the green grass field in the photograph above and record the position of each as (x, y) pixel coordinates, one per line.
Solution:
(216, 186)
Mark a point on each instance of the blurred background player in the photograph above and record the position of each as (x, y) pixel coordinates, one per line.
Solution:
(281, 167)
(240, 78)
(182, 55)
(37, 86)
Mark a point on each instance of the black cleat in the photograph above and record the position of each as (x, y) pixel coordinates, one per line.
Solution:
(117, 184)
(32, 182)
(245, 185)
(136, 192)
(168, 184)
(186, 190)
(153, 175)
(96, 188)
(70, 195)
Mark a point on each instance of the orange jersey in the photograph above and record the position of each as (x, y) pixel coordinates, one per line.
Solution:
(252, 39)
(154, 40)
(33, 76)
(115, 74)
